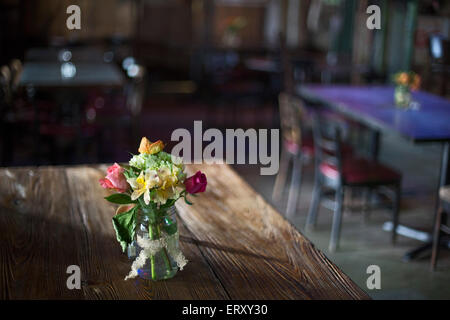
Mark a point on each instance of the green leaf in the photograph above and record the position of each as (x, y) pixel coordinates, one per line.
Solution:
(130, 173)
(125, 225)
(120, 198)
(168, 204)
(127, 174)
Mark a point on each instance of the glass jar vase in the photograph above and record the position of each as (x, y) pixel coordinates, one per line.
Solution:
(402, 97)
(157, 244)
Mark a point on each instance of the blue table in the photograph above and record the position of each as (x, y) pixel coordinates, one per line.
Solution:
(373, 106)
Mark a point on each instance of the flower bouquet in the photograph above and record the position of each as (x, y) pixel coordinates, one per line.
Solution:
(145, 222)
(405, 82)
(232, 32)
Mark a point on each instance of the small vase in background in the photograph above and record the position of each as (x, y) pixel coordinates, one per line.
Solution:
(402, 97)
(232, 33)
(405, 82)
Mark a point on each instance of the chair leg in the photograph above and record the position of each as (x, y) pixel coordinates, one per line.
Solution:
(280, 181)
(395, 213)
(294, 190)
(337, 220)
(314, 208)
(436, 238)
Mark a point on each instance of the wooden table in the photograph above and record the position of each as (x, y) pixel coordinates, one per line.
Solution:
(238, 246)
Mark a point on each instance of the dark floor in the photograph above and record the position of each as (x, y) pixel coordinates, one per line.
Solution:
(363, 244)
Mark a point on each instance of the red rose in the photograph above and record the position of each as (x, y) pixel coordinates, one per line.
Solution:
(115, 179)
(196, 183)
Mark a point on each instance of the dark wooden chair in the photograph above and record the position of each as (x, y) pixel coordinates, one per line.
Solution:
(296, 149)
(440, 223)
(16, 71)
(337, 170)
(5, 105)
(5, 84)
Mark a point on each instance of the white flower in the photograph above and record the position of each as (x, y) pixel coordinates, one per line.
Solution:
(143, 183)
(138, 161)
(178, 161)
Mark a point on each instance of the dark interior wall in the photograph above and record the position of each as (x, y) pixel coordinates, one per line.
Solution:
(164, 34)
(10, 30)
(166, 22)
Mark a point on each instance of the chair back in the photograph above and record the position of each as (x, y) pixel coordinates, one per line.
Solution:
(292, 112)
(327, 142)
(16, 71)
(5, 89)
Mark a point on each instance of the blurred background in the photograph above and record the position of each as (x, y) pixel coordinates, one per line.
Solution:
(147, 67)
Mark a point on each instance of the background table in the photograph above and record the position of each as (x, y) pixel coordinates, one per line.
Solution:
(88, 74)
(70, 95)
(374, 107)
(53, 54)
(238, 246)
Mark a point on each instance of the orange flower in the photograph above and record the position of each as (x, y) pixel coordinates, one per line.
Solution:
(150, 147)
(403, 78)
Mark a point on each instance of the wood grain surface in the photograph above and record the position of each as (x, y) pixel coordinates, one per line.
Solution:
(237, 245)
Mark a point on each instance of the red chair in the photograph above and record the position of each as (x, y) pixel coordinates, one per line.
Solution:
(338, 171)
(297, 147)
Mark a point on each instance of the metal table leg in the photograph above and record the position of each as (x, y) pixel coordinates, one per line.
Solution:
(374, 144)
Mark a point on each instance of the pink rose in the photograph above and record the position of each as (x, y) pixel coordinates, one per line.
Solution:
(115, 179)
(196, 183)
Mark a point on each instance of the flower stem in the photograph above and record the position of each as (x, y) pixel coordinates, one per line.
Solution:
(152, 236)
(154, 232)
(165, 255)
